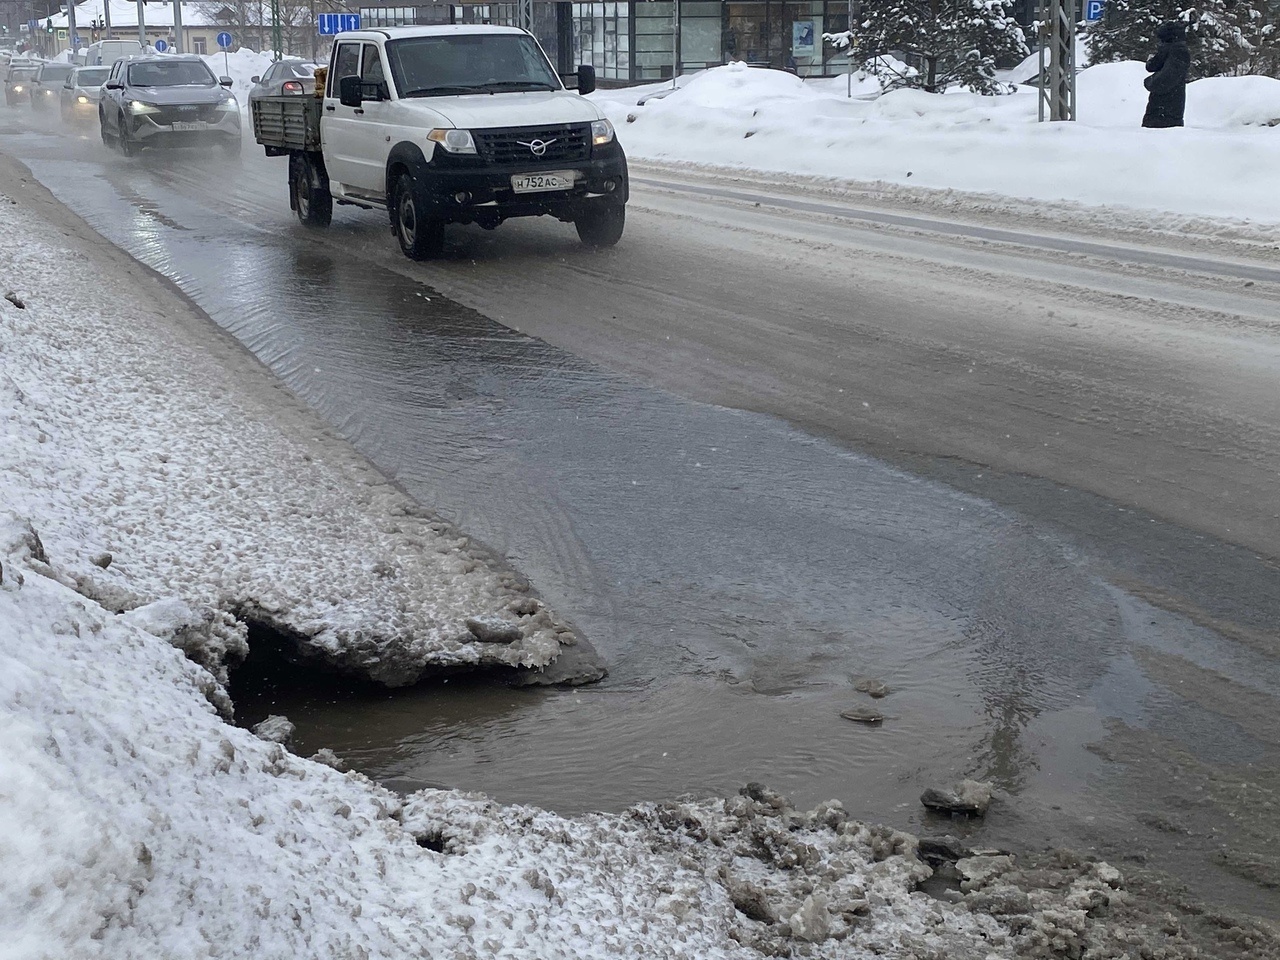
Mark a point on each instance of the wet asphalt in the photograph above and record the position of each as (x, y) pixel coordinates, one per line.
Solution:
(740, 573)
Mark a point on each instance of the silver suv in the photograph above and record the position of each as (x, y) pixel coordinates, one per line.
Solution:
(172, 101)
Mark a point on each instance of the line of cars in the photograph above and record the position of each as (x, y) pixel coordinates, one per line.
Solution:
(148, 101)
(46, 84)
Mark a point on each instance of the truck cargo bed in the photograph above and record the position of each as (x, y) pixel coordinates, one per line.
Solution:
(287, 123)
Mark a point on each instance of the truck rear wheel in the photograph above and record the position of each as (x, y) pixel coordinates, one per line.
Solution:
(601, 224)
(421, 236)
(311, 197)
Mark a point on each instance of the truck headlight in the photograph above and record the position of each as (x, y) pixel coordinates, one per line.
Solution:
(601, 133)
(138, 108)
(454, 141)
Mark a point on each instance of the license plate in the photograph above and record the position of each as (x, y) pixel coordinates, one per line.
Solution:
(540, 182)
(190, 125)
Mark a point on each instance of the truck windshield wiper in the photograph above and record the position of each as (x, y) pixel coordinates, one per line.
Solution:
(444, 90)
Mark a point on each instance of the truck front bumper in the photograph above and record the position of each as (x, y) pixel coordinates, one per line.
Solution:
(483, 193)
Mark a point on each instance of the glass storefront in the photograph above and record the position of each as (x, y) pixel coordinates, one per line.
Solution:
(644, 39)
(602, 38)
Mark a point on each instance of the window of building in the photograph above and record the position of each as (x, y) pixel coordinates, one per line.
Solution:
(200, 45)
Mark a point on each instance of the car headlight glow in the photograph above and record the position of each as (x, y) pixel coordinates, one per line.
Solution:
(17, 88)
(138, 108)
(601, 132)
(454, 141)
(228, 105)
(82, 99)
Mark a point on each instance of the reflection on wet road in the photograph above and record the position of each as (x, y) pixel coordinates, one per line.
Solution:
(739, 575)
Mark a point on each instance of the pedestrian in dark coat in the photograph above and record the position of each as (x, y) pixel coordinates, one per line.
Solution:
(1168, 80)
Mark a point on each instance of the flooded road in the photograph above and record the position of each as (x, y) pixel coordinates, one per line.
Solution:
(747, 530)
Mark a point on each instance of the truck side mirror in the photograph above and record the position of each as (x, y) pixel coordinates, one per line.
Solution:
(586, 79)
(349, 91)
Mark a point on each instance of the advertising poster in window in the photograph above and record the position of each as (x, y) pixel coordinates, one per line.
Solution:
(802, 38)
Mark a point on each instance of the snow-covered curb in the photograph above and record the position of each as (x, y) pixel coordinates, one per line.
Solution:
(150, 474)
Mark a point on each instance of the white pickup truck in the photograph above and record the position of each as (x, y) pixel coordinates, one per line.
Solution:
(448, 124)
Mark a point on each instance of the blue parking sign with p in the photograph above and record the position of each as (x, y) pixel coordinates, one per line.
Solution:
(1093, 10)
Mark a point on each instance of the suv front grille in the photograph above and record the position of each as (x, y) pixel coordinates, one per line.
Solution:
(185, 114)
(566, 143)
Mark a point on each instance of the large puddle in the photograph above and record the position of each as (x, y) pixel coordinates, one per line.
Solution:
(739, 576)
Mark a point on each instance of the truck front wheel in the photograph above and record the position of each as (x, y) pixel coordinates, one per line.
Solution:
(311, 197)
(421, 236)
(601, 224)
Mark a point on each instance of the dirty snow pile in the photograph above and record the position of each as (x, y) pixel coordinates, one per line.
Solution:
(148, 479)
(1222, 164)
(135, 823)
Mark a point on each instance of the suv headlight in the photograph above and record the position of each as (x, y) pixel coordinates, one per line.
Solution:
(601, 132)
(454, 141)
(138, 108)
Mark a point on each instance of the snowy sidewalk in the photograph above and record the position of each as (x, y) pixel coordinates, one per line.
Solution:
(157, 459)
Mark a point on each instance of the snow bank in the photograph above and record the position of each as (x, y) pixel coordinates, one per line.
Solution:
(1220, 165)
(134, 823)
(147, 478)
(241, 66)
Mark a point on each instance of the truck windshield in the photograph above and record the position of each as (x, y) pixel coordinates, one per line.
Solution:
(469, 63)
(175, 73)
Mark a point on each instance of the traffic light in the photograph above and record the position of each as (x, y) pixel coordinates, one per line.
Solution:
(48, 25)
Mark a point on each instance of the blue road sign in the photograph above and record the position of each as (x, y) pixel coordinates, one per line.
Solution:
(160, 46)
(33, 26)
(329, 24)
(224, 40)
(1093, 10)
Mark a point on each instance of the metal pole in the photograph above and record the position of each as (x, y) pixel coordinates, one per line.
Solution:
(142, 27)
(1057, 80)
(275, 28)
(106, 17)
(177, 26)
(675, 41)
(71, 27)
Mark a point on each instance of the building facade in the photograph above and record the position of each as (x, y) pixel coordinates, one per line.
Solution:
(638, 40)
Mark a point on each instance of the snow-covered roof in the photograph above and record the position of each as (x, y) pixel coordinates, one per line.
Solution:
(124, 14)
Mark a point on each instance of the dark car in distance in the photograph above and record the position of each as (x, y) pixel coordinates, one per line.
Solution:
(17, 80)
(168, 101)
(291, 76)
(46, 85)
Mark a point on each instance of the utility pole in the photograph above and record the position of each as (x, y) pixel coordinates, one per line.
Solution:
(142, 27)
(177, 26)
(275, 29)
(1058, 59)
(71, 27)
(106, 16)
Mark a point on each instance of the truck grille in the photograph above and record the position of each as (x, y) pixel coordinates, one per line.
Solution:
(566, 143)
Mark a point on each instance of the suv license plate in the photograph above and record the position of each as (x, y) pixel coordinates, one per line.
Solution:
(190, 125)
(540, 182)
